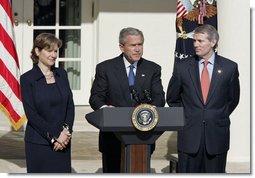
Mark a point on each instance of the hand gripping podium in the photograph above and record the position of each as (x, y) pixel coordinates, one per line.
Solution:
(135, 152)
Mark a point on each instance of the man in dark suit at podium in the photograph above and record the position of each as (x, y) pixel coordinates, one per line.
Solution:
(124, 81)
(207, 86)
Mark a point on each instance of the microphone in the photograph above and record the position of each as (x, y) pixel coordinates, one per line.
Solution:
(147, 94)
(135, 94)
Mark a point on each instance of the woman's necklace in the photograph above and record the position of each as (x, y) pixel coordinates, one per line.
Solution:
(49, 75)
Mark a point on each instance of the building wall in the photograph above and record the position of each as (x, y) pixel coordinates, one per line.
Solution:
(234, 29)
(156, 18)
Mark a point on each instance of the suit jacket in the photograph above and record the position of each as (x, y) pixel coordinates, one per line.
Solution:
(44, 120)
(110, 87)
(184, 89)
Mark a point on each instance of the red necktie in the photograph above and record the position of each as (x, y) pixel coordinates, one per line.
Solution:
(205, 81)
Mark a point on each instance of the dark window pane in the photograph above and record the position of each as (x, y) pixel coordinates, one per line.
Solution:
(37, 32)
(44, 12)
(70, 12)
(71, 40)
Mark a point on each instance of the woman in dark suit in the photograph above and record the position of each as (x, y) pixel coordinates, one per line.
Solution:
(48, 103)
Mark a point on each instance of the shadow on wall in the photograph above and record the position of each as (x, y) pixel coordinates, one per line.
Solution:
(12, 147)
(171, 145)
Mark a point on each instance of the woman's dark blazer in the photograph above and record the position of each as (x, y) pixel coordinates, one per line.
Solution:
(45, 121)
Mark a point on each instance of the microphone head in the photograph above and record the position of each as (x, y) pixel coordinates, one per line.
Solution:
(135, 94)
(147, 92)
(132, 89)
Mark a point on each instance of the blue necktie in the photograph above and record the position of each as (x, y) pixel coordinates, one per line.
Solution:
(131, 75)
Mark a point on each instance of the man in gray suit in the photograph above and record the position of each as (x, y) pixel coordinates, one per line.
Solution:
(112, 88)
(209, 95)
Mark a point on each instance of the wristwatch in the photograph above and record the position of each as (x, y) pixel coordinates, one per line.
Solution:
(52, 139)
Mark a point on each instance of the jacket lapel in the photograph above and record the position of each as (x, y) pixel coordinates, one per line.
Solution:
(194, 74)
(60, 83)
(37, 73)
(140, 74)
(216, 77)
(121, 75)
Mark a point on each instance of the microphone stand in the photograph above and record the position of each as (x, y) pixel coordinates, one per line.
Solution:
(135, 95)
(147, 94)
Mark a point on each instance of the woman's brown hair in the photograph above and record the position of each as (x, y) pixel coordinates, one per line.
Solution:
(44, 41)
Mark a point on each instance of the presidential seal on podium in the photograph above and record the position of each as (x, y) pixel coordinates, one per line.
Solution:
(145, 117)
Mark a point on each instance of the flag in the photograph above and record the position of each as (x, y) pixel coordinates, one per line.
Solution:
(10, 94)
(189, 15)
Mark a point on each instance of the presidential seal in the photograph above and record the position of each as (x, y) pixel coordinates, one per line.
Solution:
(145, 117)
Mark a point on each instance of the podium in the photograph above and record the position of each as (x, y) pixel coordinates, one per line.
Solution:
(135, 151)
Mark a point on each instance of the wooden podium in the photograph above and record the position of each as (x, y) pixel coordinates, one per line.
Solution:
(136, 152)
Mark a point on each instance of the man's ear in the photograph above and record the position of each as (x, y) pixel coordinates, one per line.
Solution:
(121, 47)
(213, 43)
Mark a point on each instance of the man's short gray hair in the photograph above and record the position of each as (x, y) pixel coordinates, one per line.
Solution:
(210, 31)
(129, 31)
